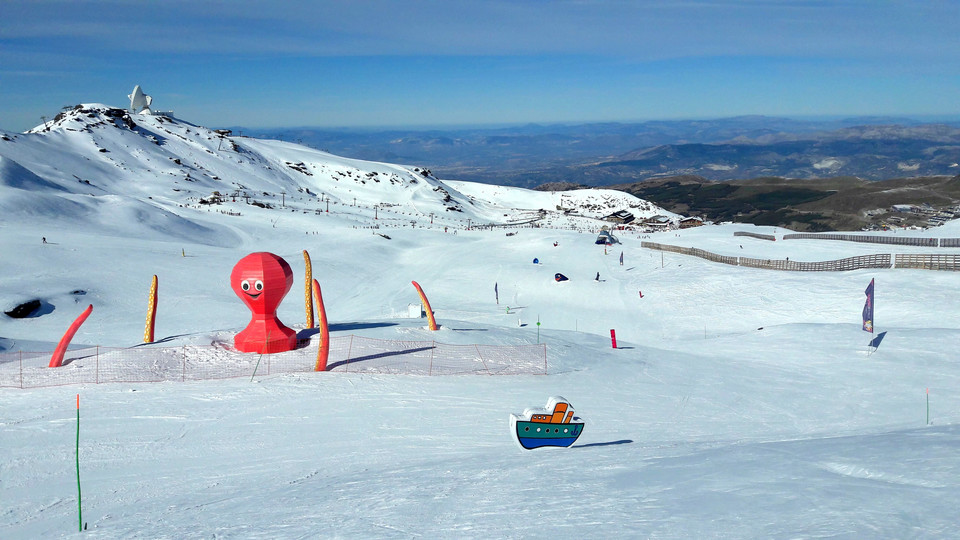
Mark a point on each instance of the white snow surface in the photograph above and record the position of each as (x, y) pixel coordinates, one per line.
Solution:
(741, 403)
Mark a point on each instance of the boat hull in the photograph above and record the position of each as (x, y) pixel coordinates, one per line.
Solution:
(532, 435)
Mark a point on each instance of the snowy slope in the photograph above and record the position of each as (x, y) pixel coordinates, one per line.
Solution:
(742, 403)
(108, 169)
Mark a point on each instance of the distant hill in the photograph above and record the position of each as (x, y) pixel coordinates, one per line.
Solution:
(869, 152)
(829, 204)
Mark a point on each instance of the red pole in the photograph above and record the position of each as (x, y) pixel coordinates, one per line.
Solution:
(613, 337)
(57, 359)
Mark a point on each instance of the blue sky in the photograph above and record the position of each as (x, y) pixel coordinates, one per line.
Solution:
(450, 62)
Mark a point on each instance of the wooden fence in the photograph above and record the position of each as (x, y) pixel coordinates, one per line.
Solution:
(840, 265)
(897, 240)
(712, 256)
(756, 235)
(928, 262)
(879, 260)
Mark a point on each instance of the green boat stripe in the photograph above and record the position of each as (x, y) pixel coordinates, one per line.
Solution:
(547, 430)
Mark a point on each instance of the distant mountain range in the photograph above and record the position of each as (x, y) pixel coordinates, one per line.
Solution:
(600, 154)
(867, 152)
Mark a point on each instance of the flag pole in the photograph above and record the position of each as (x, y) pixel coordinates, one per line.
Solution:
(868, 316)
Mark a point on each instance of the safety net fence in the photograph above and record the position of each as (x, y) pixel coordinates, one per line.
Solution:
(151, 363)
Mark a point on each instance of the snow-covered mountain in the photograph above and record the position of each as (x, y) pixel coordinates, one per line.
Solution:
(94, 164)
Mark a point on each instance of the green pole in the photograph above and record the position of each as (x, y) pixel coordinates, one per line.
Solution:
(266, 345)
(538, 329)
(79, 504)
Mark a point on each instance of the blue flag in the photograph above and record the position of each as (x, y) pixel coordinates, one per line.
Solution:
(496, 293)
(868, 309)
(875, 342)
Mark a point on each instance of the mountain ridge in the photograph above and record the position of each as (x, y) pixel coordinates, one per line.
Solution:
(94, 162)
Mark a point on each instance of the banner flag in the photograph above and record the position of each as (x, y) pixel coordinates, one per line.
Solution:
(868, 309)
(875, 342)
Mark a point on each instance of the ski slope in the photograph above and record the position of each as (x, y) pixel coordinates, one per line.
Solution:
(741, 403)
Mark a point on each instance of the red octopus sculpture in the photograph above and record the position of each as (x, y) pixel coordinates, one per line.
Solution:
(261, 280)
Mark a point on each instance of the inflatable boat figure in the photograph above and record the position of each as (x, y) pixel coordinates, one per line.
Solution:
(553, 425)
(261, 280)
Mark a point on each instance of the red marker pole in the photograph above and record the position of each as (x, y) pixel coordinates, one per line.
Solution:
(613, 338)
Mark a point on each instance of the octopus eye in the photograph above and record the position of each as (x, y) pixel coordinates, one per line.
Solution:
(245, 285)
(259, 285)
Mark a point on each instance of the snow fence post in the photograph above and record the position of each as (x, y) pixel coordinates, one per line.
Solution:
(349, 352)
(433, 347)
(477, 347)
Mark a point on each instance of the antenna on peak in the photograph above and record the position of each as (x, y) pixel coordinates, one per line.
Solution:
(139, 101)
